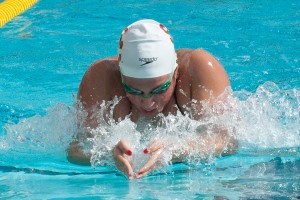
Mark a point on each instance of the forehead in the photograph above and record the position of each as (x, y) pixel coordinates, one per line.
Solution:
(141, 82)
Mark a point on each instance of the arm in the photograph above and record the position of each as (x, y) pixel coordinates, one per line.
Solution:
(208, 80)
(87, 102)
(76, 154)
(213, 143)
(209, 83)
(96, 87)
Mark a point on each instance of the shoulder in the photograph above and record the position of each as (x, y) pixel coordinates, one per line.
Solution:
(201, 67)
(201, 74)
(102, 82)
(202, 62)
(199, 59)
(195, 59)
(207, 70)
(96, 84)
(102, 69)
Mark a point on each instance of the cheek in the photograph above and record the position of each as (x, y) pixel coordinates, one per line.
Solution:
(163, 98)
(168, 94)
(132, 98)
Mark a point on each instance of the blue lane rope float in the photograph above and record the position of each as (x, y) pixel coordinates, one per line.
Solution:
(11, 8)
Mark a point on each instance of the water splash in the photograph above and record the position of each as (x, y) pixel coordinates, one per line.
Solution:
(269, 118)
(39, 136)
(260, 121)
(264, 123)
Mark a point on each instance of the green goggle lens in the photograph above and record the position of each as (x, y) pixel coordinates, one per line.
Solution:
(159, 90)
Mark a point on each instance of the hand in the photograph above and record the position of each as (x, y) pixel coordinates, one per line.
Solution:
(122, 155)
(155, 150)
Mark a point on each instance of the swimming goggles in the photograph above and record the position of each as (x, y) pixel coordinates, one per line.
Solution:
(159, 90)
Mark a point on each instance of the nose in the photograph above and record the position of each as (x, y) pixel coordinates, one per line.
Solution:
(147, 103)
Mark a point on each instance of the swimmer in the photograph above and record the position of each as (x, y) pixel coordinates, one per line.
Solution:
(152, 78)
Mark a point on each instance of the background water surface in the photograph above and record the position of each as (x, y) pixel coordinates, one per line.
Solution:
(45, 51)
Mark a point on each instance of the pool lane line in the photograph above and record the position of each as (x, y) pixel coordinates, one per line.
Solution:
(11, 8)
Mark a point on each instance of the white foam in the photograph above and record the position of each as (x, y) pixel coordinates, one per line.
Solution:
(260, 121)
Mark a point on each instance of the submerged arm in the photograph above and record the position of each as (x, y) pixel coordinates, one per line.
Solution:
(209, 83)
(202, 146)
(216, 143)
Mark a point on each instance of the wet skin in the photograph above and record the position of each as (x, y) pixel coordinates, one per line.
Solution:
(199, 76)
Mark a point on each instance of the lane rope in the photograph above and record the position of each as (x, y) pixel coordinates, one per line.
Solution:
(12, 8)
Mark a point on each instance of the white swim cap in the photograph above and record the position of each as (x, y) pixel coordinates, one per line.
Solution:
(146, 50)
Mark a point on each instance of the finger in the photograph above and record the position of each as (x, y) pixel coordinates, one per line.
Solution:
(154, 147)
(124, 147)
(151, 165)
(123, 164)
(145, 173)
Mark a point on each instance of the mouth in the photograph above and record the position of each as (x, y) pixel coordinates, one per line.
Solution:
(149, 113)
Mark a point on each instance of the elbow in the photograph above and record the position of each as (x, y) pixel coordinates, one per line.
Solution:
(226, 143)
(75, 155)
(231, 147)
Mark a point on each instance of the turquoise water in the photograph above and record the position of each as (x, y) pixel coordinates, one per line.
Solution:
(45, 52)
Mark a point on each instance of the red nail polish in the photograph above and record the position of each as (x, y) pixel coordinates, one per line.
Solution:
(129, 152)
(139, 173)
(146, 151)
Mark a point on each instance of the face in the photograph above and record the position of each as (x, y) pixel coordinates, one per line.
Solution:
(149, 95)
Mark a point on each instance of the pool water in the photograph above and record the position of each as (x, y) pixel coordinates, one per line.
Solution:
(46, 50)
